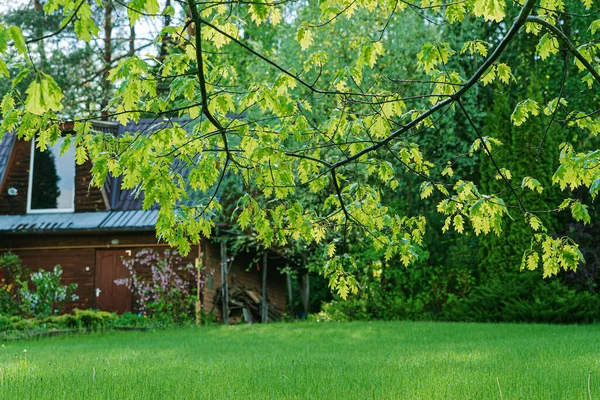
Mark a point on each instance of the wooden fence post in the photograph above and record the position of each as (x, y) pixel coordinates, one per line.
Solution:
(305, 292)
(265, 305)
(224, 288)
(288, 278)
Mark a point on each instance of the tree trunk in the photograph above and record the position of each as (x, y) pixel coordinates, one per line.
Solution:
(39, 32)
(106, 86)
(131, 51)
(166, 38)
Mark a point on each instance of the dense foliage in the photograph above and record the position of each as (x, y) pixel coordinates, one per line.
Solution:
(345, 127)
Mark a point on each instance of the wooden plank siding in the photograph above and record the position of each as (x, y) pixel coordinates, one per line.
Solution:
(17, 176)
(79, 266)
(77, 255)
(87, 198)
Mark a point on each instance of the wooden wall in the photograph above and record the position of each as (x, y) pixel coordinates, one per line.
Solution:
(17, 176)
(78, 267)
(77, 256)
(87, 198)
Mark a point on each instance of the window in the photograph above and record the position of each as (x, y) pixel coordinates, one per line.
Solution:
(51, 180)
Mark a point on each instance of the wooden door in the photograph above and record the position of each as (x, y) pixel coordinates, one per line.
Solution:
(110, 296)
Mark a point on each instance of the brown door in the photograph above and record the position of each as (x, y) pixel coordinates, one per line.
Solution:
(110, 296)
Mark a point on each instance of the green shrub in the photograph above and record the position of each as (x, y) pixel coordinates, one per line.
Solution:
(64, 321)
(14, 274)
(526, 297)
(48, 296)
(92, 319)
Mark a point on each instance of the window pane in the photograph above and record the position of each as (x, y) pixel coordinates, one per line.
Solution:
(53, 178)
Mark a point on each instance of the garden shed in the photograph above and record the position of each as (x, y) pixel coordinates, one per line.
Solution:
(50, 215)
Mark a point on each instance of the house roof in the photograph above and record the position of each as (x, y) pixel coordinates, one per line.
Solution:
(131, 199)
(6, 146)
(125, 204)
(88, 221)
(119, 199)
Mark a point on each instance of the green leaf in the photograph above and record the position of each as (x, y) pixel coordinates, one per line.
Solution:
(535, 223)
(304, 36)
(17, 36)
(532, 184)
(504, 73)
(533, 260)
(426, 190)
(20, 76)
(489, 76)
(580, 212)
(244, 218)
(503, 173)
(434, 54)
(4, 69)
(448, 171)
(565, 203)
(476, 47)
(84, 25)
(43, 95)
(459, 223)
(491, 10)
(547, 45)
(594, 188)
(523, 110)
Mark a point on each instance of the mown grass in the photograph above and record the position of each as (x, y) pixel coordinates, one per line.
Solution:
(383, 360)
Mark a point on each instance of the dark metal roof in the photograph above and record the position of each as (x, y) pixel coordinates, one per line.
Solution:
(77, 222)
(131, 199)
(6, 146)
(120, 200)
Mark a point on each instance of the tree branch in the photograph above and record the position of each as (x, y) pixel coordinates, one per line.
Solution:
(520, 21)
(570, 46)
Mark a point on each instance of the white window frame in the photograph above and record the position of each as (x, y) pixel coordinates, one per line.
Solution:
(30, 187)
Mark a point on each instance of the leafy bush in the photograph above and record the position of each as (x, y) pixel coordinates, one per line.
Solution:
(13, 272)
(48, 296)
(525, 297)
(395, 292)
(93, 319)
(166, 293)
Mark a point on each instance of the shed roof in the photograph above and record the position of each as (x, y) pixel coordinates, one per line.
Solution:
(142, 220)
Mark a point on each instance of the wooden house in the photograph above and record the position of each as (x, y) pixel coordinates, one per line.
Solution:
(49, 215)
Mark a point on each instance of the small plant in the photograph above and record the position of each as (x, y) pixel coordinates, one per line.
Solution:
(12, 275)
(49, 296)
(162, 284)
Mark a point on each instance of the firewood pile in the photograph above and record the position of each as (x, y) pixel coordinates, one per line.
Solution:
(245, 305)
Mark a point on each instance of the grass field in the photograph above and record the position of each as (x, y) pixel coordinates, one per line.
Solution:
(383, 360)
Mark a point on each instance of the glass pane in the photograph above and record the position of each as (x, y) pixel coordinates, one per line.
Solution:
(53, 178)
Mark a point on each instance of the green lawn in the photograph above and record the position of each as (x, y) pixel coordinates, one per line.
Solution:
(406, 360)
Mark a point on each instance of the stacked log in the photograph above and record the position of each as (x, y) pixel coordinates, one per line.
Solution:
(245, 305)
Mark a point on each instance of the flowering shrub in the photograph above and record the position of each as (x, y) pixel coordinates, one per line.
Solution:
(49, 296)
(12, 273)
(8, 303)
(162, 284)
